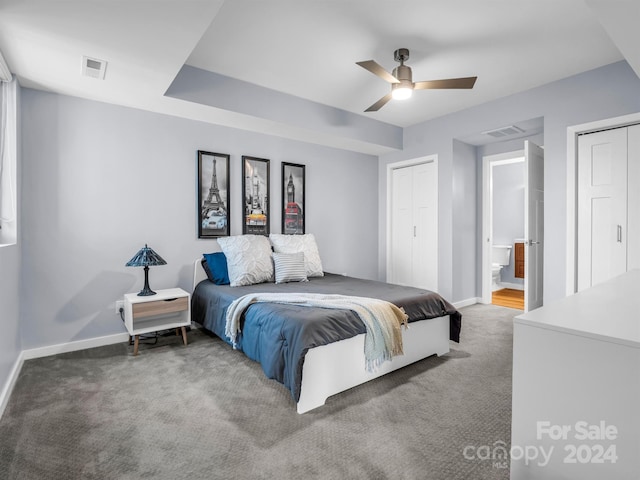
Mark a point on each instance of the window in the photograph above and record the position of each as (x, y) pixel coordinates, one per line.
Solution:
(8, 162)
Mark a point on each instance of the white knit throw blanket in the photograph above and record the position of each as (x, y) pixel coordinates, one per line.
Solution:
(383, 338)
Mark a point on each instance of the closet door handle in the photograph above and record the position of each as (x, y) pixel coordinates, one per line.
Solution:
(619, 233)
(414, 231)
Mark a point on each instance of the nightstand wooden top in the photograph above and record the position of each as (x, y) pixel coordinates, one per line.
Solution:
(160, 295)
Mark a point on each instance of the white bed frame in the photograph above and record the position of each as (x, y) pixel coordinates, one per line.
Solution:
(339, 366)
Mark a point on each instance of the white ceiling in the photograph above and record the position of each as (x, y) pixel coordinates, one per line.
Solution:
(308, 48)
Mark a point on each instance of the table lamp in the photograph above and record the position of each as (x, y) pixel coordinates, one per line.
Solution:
(144, 258)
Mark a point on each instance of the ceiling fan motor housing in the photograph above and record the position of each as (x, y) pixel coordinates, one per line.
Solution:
(403, 73)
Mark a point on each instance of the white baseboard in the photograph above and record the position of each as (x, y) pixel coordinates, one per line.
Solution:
(467, 302)
(514, 286)
(39, 352)
(73, 346)
(10, 383)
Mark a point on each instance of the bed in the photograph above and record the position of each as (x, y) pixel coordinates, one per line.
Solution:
(330, 360)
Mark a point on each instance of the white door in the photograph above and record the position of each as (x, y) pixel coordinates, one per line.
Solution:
(425, 221)
(413, 236)
(401, 226)
(633, 197)
(533, 225)
(602, 206)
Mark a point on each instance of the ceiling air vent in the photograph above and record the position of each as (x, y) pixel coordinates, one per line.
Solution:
(503, 131)
(93, 67)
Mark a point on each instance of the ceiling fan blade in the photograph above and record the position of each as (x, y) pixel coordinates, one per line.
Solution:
(466, 82)
(379, 104)
(376, 69)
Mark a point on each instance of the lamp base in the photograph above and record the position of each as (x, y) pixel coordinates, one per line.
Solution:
(146, 291)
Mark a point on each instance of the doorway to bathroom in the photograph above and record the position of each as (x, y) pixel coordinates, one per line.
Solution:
(513, 226)
(503, 221)
(506, 228)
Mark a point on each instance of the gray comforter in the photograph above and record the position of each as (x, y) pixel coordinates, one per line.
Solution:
(279, 335)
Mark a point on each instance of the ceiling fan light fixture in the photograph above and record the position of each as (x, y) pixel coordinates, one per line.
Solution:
(401, 91)
(401, 80)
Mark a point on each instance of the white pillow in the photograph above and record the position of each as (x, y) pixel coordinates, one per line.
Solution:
(300, 243)
(248, 259)
(289, 267)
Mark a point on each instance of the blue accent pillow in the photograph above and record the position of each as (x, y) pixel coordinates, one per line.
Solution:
(215, 265)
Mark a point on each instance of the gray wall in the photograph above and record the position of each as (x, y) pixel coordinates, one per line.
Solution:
(10, 344)
(101, 180)
(9, 294)
(508, 211)
(605, 92)
(464, 215)
(347, 129)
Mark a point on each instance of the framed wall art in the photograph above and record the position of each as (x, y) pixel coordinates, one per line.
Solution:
(293, 189)
(213, 194)
(255, 195)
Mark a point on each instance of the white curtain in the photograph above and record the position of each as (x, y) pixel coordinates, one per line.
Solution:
(8, 161)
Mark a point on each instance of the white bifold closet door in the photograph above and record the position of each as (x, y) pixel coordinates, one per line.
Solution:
(608, 163)
(414, 226)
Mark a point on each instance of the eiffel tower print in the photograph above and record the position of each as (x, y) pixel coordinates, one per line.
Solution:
(214, 202)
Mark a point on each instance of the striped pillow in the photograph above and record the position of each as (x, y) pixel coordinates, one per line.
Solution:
(289, 267)
(306, 244)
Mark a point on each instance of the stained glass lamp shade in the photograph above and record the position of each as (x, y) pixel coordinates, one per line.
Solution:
(146, 257)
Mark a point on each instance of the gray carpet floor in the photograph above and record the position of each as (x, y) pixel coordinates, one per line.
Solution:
(205, 411)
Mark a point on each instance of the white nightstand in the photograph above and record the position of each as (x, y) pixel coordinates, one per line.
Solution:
(170, 308)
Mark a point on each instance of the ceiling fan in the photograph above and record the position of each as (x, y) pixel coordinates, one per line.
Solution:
(402, 85)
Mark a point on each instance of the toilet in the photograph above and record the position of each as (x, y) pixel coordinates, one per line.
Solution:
(500, 255)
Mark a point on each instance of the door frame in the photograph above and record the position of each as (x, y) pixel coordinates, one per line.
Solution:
(394, 166)
(573, 131)
(488, 162)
